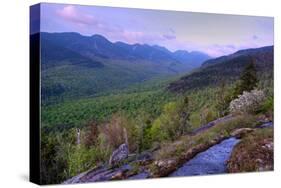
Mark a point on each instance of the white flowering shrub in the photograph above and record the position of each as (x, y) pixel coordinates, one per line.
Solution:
(248, 102)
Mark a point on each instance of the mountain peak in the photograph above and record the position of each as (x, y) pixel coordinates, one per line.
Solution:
(100, 46)
(100, 38)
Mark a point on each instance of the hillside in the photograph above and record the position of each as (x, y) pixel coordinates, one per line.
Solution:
(77, 66)
(227, 69)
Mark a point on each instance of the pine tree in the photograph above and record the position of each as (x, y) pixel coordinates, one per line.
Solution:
(223, 100)
(184, 115)
(248, 80)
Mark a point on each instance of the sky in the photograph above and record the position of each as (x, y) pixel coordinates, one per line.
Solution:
(214, 34)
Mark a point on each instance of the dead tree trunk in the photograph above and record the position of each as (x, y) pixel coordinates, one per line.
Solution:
(78, 132)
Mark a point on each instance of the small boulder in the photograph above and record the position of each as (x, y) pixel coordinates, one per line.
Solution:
(164, 167)
(118, 176)
(119, 154)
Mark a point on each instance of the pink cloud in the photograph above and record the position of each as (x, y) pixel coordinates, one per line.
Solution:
(141, 37)
(217, 50)
(88, 23)
(70, 13)
(131, 36)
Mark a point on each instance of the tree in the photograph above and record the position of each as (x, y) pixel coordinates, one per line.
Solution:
(91, 134)
(221, 105)
(248, 80)
(143, 125)
(184, 115)
(173, 122)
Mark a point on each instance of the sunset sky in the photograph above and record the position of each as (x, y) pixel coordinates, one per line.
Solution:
(215, 34)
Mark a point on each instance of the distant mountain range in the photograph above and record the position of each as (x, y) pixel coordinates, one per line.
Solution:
(97, 46)
(74, 65)
(227, 69)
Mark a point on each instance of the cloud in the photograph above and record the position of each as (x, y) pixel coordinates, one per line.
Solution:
(70, 13)
(89, 24)
(217, 50)
(92, 25)
(220, 49)
(142, 37)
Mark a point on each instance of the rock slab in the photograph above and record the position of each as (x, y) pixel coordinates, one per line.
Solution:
(119, 154)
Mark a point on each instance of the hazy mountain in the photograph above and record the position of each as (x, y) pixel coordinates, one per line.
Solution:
(227, 69)
(74, 65)
(53, 55)
(246, 52)
(99, 46)
(193, 58)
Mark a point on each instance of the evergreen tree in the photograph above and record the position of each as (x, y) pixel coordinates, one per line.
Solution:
(224, 96)
(221, 104)
(184, 115)
(248, 80)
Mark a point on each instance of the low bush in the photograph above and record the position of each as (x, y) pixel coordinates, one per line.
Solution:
(248, 102)
(114, 132)
(267, 106)
(173, 122)
(91, 134)
(80, 159)
(120, 130)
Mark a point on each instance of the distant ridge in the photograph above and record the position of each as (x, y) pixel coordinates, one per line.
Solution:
(250, 51)
(227, 69)
(98, 46)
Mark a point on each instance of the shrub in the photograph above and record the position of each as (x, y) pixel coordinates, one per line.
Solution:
(206, 115)
(157, 132)
(267, 106)
(52, 164)
(224, 95)
(119, 130)
(173, 122)
(79, 158)
(91, 134)
(55, 148)
(143, 125)
(248, 102)
(113, 131)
